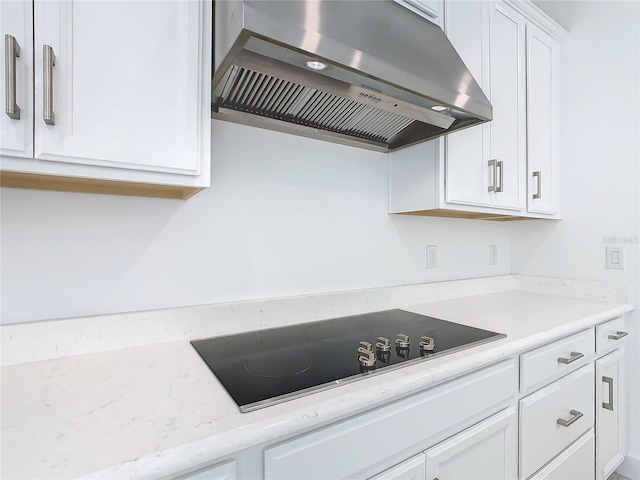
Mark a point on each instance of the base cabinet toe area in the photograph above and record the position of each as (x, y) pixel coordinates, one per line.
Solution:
(503, 421)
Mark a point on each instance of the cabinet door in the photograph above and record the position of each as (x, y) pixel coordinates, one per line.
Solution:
(542, 121)
(574, 463)
(508, 97)
(467, 151)
(487, 450)
(610, 413)
(126, 83)
(16, 126)
(412, 469)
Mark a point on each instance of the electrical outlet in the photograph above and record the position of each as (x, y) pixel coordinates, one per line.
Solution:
(493, 254)
(432, 256)
(615, 257)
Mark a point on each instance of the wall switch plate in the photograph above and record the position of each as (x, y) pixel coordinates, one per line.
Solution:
(615, 257)
(493, 254)
(432, 256)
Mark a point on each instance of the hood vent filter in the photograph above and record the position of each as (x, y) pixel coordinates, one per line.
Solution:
(257, 93)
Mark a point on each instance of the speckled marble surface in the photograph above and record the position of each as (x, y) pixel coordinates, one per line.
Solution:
(154, 410)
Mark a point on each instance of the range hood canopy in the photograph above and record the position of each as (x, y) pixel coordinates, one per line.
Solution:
(390, 78)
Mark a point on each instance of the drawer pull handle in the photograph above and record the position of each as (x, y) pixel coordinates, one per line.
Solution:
(608, 405)
(575, 415)
(618, 335)
(574, 356)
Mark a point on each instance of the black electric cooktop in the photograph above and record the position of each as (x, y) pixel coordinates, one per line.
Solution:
(265, 367)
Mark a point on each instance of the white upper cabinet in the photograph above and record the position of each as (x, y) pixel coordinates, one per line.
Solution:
(468, 151)
(486, 165)
(508, 96)
(494, 170)
(121, 91)
(16, 119)
(432, 10)
(543, 99)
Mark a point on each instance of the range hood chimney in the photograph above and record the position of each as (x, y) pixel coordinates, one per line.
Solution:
(370, 74)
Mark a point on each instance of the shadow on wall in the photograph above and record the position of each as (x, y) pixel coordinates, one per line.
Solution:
(84, 242)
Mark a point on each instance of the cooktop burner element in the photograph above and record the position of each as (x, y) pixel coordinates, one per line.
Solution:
(280, 366)
(266, 367)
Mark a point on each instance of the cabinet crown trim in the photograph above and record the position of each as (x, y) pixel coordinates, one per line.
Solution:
(541, 19)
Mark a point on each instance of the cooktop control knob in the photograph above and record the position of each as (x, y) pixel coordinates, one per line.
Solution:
(427, 344)
(364, 348)
(402, 340)
(383, 344)
(366, 359)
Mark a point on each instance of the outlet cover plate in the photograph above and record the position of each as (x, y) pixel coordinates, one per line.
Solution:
(493, 254)
(432, 256)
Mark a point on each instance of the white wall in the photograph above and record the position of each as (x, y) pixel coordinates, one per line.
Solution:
(285, 216)
(600, 130)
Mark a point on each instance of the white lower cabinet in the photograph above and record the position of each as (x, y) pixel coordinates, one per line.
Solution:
(504, 421)
(350, 448)
(554, 417)
(610, 413)
(574, 427)
(486, 451)
(575, 463)
(412, 469)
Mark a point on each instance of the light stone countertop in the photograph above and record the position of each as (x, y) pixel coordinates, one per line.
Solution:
(155, 410)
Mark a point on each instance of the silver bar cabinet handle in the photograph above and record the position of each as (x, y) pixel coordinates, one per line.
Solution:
(49, 61)
(11, 52)
(575, 415)
(608, 405)
(574, 356)
(501, 168)
(618, 335)
(493, 169)
(538, 176)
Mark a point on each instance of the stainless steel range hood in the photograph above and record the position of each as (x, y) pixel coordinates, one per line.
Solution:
(392, 78)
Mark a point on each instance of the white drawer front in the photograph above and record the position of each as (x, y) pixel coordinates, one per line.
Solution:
(541, 436)
(359, 442)
(547, 362)
(575, 463)
(611, 335)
